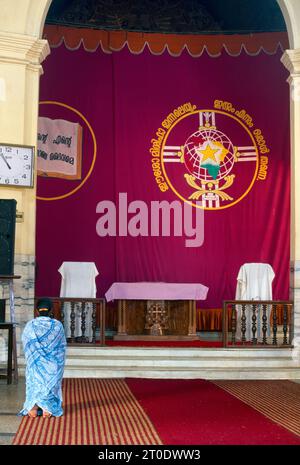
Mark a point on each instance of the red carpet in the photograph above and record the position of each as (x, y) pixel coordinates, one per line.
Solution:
(190, 412)
(169, 412)
(186, 344)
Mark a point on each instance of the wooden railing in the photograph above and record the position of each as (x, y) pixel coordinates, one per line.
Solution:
(81, 318)
(260, 323)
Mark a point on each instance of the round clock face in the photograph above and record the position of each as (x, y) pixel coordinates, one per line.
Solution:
(16, 165)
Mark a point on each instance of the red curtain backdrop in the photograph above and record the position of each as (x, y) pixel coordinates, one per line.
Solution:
(124, 97)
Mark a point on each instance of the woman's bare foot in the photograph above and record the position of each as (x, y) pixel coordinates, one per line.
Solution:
(33, 412)
(46, 414)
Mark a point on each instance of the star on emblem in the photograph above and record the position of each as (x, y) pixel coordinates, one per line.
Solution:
(208, 151)
(213, 152)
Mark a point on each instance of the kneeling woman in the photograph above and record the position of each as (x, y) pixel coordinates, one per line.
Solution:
(44, 346)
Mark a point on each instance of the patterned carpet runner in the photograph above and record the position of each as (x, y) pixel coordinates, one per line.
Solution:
(96, 411)
(163, 411)
(277, 400)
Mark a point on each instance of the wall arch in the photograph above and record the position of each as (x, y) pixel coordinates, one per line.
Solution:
(30, 19)
(291, 13)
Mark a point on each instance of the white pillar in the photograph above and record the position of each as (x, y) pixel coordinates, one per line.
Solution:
(291, 60)
(21, 54)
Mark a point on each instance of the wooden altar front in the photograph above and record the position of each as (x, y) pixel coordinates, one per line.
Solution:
(174, 319)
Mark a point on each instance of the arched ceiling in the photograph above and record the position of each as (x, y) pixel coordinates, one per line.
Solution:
(170, 16)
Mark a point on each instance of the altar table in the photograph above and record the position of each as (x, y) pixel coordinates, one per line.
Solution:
(156, 310)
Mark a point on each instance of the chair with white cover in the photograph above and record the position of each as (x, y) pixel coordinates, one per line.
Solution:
(78, 280)
(254, 282)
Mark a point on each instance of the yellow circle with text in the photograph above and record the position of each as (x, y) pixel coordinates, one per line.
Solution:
(73, 191)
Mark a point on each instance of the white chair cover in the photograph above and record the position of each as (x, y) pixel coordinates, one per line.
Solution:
(254, 282)
(78, 280)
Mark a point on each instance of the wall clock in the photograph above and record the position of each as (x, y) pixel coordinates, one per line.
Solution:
(16, 165)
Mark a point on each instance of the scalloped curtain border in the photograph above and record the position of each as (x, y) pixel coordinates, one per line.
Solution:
(175, 44)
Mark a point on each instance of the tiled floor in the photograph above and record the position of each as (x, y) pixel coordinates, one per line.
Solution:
(11, 401)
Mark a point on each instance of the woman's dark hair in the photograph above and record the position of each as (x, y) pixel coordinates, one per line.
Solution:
(44, 307)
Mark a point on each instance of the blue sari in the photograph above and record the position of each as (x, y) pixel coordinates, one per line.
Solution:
(44, 344)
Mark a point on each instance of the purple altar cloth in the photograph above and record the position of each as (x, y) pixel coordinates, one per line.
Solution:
(156, 291)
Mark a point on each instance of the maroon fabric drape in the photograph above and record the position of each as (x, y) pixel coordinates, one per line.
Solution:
(125, 98)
